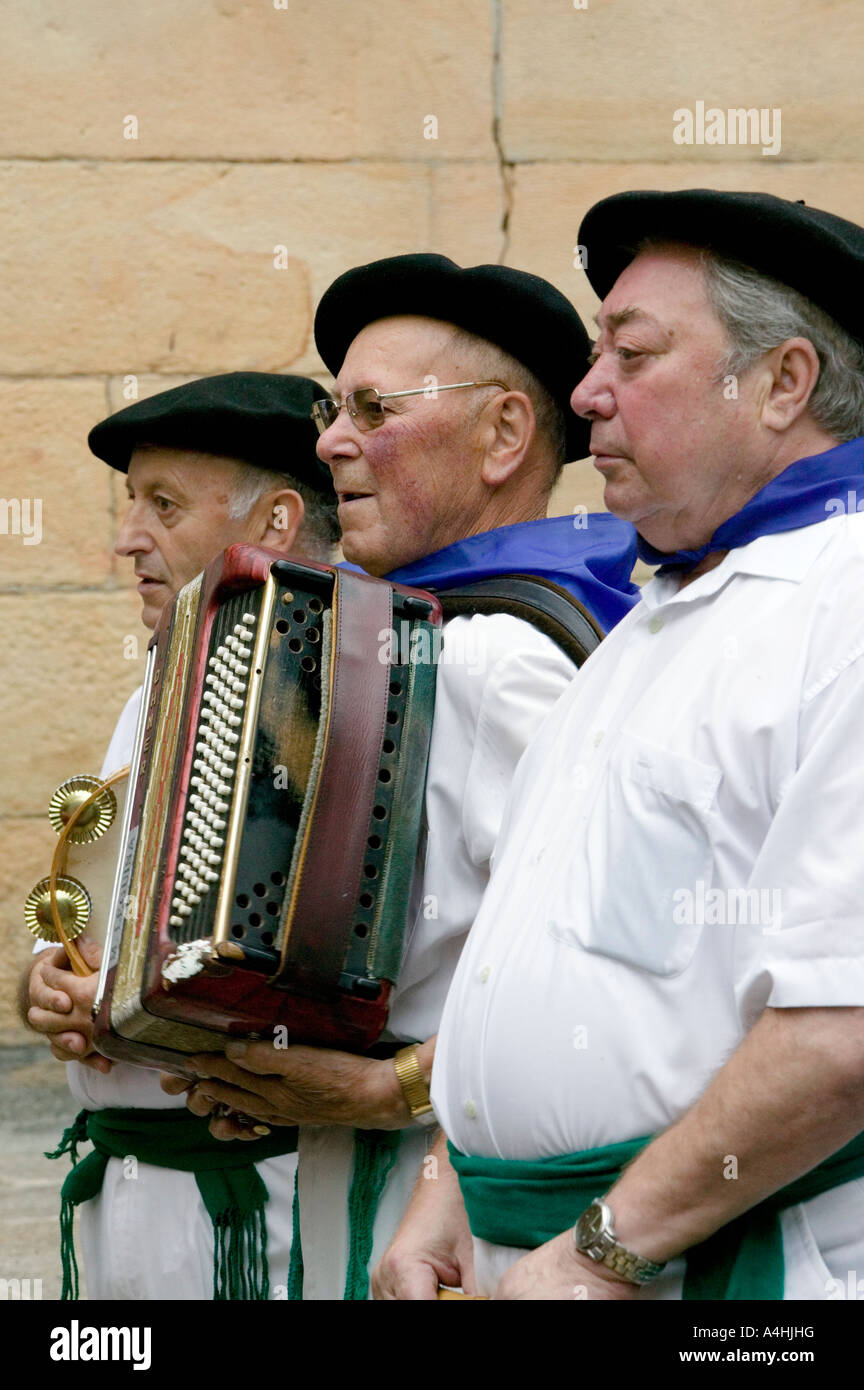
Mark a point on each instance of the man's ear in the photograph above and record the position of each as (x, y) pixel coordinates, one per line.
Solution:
(508, 431)
(282, 514)
(794, 369)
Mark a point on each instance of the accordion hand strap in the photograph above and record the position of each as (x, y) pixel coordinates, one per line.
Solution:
(547, 606)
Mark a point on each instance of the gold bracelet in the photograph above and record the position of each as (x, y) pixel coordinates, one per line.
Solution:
(412, 1081)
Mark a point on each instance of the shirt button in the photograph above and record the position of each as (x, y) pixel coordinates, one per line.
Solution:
(484, 974)
(470, 1109)
(655, 623)
(599, 737)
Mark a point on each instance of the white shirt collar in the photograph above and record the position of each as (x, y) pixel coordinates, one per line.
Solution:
(785, 555)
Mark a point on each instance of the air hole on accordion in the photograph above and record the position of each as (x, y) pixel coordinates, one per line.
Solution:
(266, 938)
(278, 879)
(237, 930)
(273, 909)
(254, 919)
(299, 615)
(384, 774)
(242, 900)
(379, 812)
(395, 688)
(374, 842)
(361, 929)
(366, 900)
(388, 745)
(370, 871)
(392, 716)
(260, 890)
(312, 634)
(315, 605)
(309, 663)
(282, 626)
(295, 645)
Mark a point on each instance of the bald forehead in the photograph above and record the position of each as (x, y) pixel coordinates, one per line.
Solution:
(402, 342)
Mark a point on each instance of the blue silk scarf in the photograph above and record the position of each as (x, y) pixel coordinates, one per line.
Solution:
(591, 555)
(808, 491)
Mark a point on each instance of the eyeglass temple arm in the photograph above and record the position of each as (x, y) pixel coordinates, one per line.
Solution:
(455, 386)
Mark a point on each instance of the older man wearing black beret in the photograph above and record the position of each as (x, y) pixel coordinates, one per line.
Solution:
(450, 426)
(220, 460)
(662, 1095)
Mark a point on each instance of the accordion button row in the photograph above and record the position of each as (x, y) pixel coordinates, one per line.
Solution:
(215, 753)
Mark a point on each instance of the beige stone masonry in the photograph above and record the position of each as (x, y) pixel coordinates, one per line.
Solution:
(46, 467)
(245, 80)
(603, 81)
(66, 679)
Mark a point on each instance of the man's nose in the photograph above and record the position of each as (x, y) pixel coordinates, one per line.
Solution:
(133, 538)
(339, 440)
(593, 396)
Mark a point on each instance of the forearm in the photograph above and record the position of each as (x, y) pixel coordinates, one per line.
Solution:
(790, 1096)
(437, 1195)
(433, 1243)
(298, 1085)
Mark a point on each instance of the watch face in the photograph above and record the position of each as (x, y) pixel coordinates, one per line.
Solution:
(591, 1223)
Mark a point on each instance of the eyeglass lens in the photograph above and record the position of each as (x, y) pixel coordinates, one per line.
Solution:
(362, 405)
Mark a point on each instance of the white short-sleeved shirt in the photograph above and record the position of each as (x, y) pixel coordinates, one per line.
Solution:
(498, 679)
(683, 846)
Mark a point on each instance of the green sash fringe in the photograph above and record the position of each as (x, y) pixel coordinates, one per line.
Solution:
(375, 1152)
(525, 1202)
(233, 1192)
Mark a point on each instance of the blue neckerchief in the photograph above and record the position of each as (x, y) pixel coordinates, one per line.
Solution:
(591, 555)
(799, 496)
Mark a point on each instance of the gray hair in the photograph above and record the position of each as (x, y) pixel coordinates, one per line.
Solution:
(758, 313)
(490, 362)
(320, 526)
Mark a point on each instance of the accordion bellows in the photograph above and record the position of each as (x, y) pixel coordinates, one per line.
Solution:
(273, 814)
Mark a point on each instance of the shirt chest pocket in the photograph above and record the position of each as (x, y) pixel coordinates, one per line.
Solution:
(633, 872)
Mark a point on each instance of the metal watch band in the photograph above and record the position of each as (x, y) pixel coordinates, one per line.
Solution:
(413, 1084)
(594, 1236)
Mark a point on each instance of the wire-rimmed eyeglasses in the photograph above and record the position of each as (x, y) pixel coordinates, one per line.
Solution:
(365, 408)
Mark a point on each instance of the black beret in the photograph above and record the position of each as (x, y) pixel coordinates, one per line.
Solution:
(520, 313)
(817, 254)
(258, 417)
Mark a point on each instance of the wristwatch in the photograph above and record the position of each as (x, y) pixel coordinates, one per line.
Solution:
(595, 1237)
(413, 1084)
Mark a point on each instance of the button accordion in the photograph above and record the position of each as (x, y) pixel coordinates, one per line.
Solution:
(273, 812)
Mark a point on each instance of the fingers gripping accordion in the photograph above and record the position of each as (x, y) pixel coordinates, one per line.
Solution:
(273, 813)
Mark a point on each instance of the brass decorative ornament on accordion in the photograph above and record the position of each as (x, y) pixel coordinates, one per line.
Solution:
(273, 811)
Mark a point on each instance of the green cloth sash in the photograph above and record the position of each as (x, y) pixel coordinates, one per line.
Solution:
(233, 1192)
(525, 1202)
(375, 1152)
